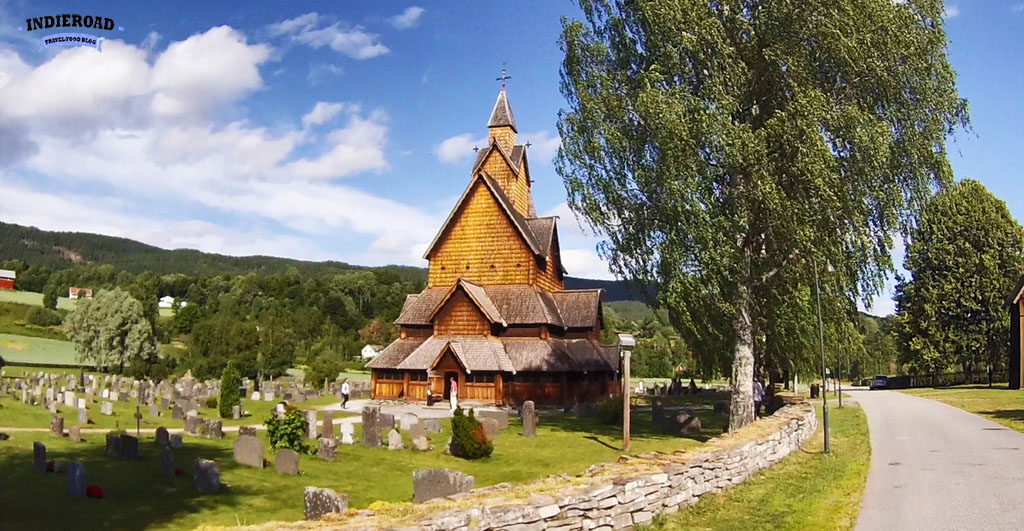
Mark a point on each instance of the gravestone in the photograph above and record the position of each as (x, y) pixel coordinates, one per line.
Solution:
(177, 443)
(81, 403)
(69, 399)
(529, 414)
(279, 410)
(39, 457)
(192, 423)
(247, 430)
(408, 420)
(113, 445)
(255, 395)
(176, 412)
(57, 426)
(499, 416)
(268, 397)
(53, 408)
(206, 476)
(75, 434)
(105, 393)
(286, 462)
(432, 425)
(490, 426)
(683, 423)
(249, 451)
(76, 480)
(213, 429)
(107, 408)
(129, 448)
(236, 412)
(165, 403)
(394, 440)
(320, 501)
(311, 424)
(115, 396)
(657, 412)
(387, 421)
(347, 429)
(167, 462)
(327, 430)
(154, 411)
(418, 437)
(328, 450)
(83, 416)
(438, 483)
(371, 426)
(162, 438)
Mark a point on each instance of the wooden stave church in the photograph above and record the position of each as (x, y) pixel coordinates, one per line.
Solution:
(495, 312)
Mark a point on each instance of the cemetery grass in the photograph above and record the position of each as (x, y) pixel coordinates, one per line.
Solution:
(998, 404)
(806, 490)
(137, 496)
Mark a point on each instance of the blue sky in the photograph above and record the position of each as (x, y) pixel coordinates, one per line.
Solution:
(340, 130)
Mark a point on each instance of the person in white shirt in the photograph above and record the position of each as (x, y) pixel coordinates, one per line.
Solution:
(758, 397)
(344, 393)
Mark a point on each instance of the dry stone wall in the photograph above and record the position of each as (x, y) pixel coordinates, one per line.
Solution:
(618, 495)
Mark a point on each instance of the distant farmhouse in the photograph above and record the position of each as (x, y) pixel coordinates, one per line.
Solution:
(168, 302)
(75, 292)
(370, 351)
(7, 279)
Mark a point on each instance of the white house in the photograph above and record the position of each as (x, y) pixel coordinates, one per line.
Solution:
(167, 302)
(370, 351)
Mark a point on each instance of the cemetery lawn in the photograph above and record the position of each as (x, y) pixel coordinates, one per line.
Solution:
(998, 404)
(138, 496)
(806, 490)
(37, 350)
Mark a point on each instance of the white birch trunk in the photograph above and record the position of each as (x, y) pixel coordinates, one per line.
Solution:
(741, 410)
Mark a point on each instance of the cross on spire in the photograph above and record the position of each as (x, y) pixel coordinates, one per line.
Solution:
(504, 77)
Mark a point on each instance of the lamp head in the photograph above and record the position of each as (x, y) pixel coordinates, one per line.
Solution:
(627, 340)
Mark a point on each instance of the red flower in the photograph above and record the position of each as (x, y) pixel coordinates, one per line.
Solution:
(94, 491)
(179, 471)
(90, 421)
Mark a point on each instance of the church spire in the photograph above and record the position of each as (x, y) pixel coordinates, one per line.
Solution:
(502, 125)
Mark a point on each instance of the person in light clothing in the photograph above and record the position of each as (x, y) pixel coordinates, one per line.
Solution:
(454, 393)
(344, 393)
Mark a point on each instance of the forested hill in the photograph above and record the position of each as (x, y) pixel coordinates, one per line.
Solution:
(61, 250)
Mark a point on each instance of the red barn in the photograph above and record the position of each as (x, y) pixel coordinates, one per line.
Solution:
(6, 279)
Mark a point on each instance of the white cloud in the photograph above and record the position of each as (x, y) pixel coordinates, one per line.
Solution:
(310, 29)
(544, 146)
(952, 12)
(578, 246)
(408, 18)
(584, 263)
(459, 148)
(322, 112)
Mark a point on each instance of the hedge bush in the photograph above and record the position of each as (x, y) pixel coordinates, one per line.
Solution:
(43, 317)
(609, 411)
(288, 432)
(230, 381)
(469, 440)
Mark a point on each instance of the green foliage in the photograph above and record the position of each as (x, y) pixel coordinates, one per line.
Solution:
(964, 258)
(110, 330)
(469, 440)
(288, 432)
(327, 366)
(40, 316)
(211, 403)
(50, 295)
(230, 381)
(609, 411)
(727, 148)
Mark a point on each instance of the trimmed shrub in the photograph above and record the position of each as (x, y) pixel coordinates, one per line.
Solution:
(288, 432)
(469, 440)
(43, 317)
(211, 402)
(609, 411)
(230, 381)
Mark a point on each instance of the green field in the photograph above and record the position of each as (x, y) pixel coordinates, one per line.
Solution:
(807, 490)
(999, 403)
(63, 303)
(36, 350)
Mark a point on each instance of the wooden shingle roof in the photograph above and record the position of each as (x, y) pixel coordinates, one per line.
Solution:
(507, 354)
(501, 115)
(511, 304)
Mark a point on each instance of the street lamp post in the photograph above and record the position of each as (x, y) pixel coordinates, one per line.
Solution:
(626, 342)
(821, 346)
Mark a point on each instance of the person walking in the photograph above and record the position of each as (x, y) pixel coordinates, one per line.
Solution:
(758, 397)
(344, 393)
(454, 393)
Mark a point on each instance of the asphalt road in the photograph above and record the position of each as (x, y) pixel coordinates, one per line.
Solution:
(934, 466)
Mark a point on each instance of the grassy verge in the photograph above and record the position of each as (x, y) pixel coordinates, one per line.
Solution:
(37, 350)
(998, 403)
(807, 490)
(137, 495)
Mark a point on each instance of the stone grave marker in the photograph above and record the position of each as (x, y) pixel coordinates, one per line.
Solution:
(529, 414)
(69, 399)
(438, 483)
(206, 476)
(499, 416)
(115, 396)
(347, 429)
(176, 412)
(39, 457)
(490, 426)
(57, 426)
(105, 393)
(128, 449)
(236, 412)
(320, 501)
(247, 430)
(113, 445)
(311, 424)
(328, 450)
(165, 403)
(177, 443)
(154, 411)
(75, 434)
(83, 416)
(53, 407)
(162, 437)
(408, 420)
(76, 480)
(286, 462)
(371, 426)
(387, 421)
(327, 430)
(249, 451)
(167, 461)
(107, 408)
(192, 423)
(255, 396)
(82, 403)
(394, 439)
(432, 425)
(213, 429)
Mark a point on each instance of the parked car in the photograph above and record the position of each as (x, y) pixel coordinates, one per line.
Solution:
(880, 382)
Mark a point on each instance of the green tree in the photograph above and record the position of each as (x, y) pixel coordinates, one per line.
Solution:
(50, 295)
(110, 330)
(725, 148)
(964, 257)
(230, 381)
